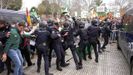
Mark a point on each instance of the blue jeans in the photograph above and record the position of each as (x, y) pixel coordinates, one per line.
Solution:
(17, 59)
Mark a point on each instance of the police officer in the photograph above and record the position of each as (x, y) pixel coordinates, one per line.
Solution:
(83, 42)
(105, 34)
(58, 48)
(42, 39)
(93, 34)
(68, 36)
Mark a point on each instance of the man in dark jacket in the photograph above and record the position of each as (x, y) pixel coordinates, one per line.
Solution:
(68, 36)
(105, 34)
(58, 48)
(83, 42)
(4, 34)
(93, 34)
(42, 39)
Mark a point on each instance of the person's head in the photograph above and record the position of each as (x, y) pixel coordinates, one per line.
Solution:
(42, 25)
(20, 26)
(81, 24)
(2, 24)
(94, 23)
(66, 24)
(56, 25)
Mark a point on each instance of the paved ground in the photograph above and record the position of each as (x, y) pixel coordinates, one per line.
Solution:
(111, 62)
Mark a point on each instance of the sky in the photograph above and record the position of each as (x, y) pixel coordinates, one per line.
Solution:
(108, 1)
(30, 3)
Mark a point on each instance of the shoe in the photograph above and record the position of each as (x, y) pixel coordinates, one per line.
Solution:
(78, 67)
(96, 60)
(85, 58)
(100, 51)
(89, 57)
(38, 70)
(65, 65)
(59, 68)
(31, 64)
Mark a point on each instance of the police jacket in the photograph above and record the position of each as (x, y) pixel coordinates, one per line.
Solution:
(105, 32)
(42, 37)
(83, 34)
(70, 37)
(93, 33)
(56, 36)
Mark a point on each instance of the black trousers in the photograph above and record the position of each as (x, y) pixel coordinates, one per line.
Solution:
(42, 51)
(93, 43)
(82, 50)
(26, 54)
(106, 41)
(74, 53)
(60, 54)
(99, 44)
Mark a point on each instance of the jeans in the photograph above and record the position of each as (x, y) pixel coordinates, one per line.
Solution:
(17, 59)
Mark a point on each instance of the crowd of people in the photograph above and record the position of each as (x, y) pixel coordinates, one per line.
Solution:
(19, 43)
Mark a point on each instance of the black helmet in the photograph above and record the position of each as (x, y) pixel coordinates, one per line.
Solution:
(81, 25)
(42, 25)
(94, 23)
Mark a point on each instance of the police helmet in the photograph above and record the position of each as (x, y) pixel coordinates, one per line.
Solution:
(42, 25)
(81, 25)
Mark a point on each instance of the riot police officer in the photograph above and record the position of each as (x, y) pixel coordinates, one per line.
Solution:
(83, 42)
(68, 36)
(93, 34)
(58, 48)
(105, 34)
(42, 44)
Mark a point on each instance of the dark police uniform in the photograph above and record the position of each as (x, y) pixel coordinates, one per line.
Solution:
(83, 42)
(43, 36)
(58, 48)
(105, 34)
(69, 41)
(93, 34)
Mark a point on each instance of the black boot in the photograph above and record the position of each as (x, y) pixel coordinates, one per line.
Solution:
(96, 60)
(58, 66)
(64, 65)
(78, 67)
(90, 57)
(80, 64)
(38, 69)
(84, 58)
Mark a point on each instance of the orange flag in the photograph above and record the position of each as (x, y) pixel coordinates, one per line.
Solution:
(28, 17)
